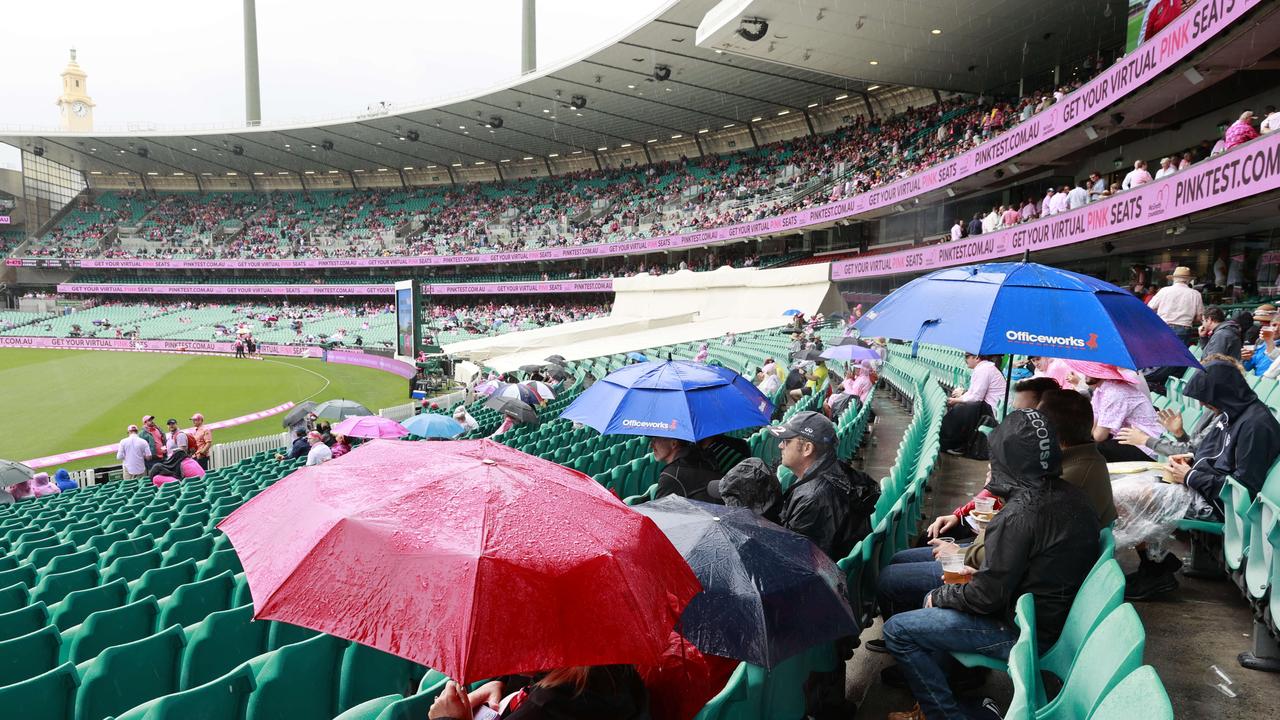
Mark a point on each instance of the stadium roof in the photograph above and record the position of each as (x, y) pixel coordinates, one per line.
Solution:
(624, 102)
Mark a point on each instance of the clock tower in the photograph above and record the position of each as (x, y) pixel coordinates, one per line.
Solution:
(74, 103)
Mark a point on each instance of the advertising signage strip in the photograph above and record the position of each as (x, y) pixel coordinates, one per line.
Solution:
(1243, 172)
(1190, 31)
(514, 288)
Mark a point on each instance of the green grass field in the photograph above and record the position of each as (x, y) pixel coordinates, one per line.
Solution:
(61, 400)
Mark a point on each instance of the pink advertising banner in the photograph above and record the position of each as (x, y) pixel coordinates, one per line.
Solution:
(1190, 31)
(565, 286)
(377, 362)
(1245, 171)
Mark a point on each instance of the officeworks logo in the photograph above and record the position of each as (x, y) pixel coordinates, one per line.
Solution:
(649, 424)
(1058, 341)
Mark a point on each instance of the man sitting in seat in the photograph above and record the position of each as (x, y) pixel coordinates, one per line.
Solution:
(688, 469)
(1043, 542)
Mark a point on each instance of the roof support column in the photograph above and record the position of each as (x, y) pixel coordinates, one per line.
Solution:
(809, 122)
(866, 100)
(547, 161)
(751, 130)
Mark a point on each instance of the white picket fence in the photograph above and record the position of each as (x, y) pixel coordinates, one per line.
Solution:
(225, 454)
(399, 412)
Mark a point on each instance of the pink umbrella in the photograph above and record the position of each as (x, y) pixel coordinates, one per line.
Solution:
(370, 426)
(488, 387)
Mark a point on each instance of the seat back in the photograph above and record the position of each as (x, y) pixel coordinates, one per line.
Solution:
(103, 541)
(72, 561)
(192, 602)
(225, 697)
(368, 673)
(121, 548)
(104, 628)
(77, 605)
(1139, 695)
(26, 619)
(299, 682)
(53, 588)
(14, 596)
(26, 656)
(1102, 592)
(196, 549)
(49, 696)
(729, 703)
(1024, 668)
(131, 567)
(218, 561)
(126, 675)
(163, 580)
(282, 634)
(24, 573)
(1111, 652)
(221, 642)
(45, 555)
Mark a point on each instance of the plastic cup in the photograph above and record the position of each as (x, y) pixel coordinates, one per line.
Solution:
(946, 546)
(952, 569)
(986, 506)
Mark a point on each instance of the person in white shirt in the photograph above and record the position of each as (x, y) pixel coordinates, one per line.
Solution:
(966, 408)
(133, 454)
(1167, 168)
(1059, 203)
(991, 222)
(319, 451)
(1137, 176)
(957, 231)
(1271, 122)
(1078, 197)
(465, 419)
(1097, 186)
(1046, 204)
(1179, 305)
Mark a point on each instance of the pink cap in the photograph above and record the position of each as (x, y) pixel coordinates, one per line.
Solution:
(133, 428)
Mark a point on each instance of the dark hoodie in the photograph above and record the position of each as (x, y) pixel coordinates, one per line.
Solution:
(1043, 542)
(1225, 340)
(1243, 440)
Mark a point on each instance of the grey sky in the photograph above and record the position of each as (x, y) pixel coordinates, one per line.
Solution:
(180, 63)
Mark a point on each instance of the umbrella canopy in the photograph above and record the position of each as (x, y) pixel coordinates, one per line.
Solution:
(430, 425)
(297, 415)
(471, 557)
(558, 359)
(512, 408)
(532, 368)
(13, 472)
(850, 353)
(340, 409)
(370, 426)
(850, 340)
(673, 398)
(544, 390)
(638, 357)
(488, 387)
(808, 355)
(791, 312)
(516, 391)
(767, 593)
(1027, 308)
(559, 372)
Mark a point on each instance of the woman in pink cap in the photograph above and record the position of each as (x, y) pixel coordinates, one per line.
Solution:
(1120, 400)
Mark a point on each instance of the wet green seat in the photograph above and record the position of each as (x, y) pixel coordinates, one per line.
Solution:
(50, 696)
(131, 567)
(242, 593)
(192, 602)
(163, 580)
(177, 534)
(1112, 651)
(72, 561)
(1139, 695)
(105, 628)
(53, 588)
(154, 529)
(127, 523)
(220, 642)
(369, 673)
(24, 573)
(299, 682)
(42, 556)
(281, 634)
(127, 675)
(27, 546)
(104, 541)
(78, 605)
(122, 548)
(220, 561)
(7, 561)
(223, 698)
(14, 596)
(196, 549)
(370, 709)
(27, 619)
(27, 656)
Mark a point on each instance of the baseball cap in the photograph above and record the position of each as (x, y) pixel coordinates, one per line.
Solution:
(313, 435)
(812, 426)
(133, 428)
(172, 421)
(148, 417)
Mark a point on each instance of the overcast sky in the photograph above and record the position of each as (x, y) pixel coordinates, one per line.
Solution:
(181, 63)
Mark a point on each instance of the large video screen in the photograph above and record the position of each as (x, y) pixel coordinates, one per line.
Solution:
(406, 320)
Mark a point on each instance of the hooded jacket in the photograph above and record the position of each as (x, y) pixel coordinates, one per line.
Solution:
(1243, 440)
(1225, 340)
(687, 475)
(1043, 542)
(831, 505)
(750, 484)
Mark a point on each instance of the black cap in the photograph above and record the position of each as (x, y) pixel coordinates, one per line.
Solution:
(812, 426)
(172, 421)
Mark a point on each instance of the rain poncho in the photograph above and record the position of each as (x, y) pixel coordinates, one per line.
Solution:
(752, 485)
(63, 480)
(831, 505)
(41, 485)
(1044, 541)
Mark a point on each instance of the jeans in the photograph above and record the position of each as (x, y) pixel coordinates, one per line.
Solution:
(910, 576)
(922, 640)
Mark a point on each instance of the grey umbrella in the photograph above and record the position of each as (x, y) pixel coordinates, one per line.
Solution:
(340, 409)
(513, 408)
(298, 414)
(557, 371)
(13, 472)
(555, 359)
(537, 367)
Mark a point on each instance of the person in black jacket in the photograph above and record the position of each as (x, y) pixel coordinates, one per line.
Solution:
(688, 470)
(1043, 542)
(604, 692)
(300, 446)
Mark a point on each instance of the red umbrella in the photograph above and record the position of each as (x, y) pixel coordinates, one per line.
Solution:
(470, 557)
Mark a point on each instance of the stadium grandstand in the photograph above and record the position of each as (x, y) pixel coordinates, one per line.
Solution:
(736, 188)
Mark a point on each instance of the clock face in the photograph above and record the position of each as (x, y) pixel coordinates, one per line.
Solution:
(80, 109)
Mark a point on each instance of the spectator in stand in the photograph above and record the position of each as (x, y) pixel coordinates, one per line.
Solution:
(1046, 204)
(1097, 187)
(1120, 400)
(154, 437)
(341, 445)
(975, 225)
(1043, 542)
(1240, 132)
(318, 452)
(1078, 197)
(1137, 176)
(603, 692)
(1059, 203)
(203, 438)
(464, 419)
(133, 453)
(1009, 217)
(63, 480)
(688, 470)
(967, 407)
(1028, 212)
(991, 222)
(1166, 168)
(1270, 121)
(299, 448)
(1219, 334)
(1186, 161)
(957, 230)
(175, 439)
(1054, 368)
(1178, 304)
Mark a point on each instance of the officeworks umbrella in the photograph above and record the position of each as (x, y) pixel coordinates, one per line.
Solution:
(431, 425)
(1015, 308)
(767, 593)
(671, 398)
(468, 557)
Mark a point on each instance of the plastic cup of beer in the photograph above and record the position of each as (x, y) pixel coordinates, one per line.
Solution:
(953, 569)
(985, 506)
(945, 546)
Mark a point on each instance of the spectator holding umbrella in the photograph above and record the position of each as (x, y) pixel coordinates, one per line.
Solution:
(603, 692)
(465, 419)
(687, 470)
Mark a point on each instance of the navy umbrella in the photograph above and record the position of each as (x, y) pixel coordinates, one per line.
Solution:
(1010, 308)
(767, 593)
(672, 398)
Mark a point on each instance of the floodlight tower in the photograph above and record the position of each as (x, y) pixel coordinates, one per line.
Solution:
(252, 96)
(529, 38)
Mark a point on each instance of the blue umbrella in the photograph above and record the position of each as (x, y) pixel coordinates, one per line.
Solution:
(850, 353)
(1024, 308)
(638, 357)
(430, 425)
(791, 312)
(673, 398)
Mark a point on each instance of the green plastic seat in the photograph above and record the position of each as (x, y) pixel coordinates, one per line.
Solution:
(105, 540)
(163, 580)
(154, 529)
(370, 709)
(72, 561)
(1139, 695)
(49, 696)
(14, 596)
(26, 656)
(42, 556)
(53, 588)
(1101, 593)
(126, 523)
(7, 562)
(196, 549)
(192, 602)
(730, 702)
(220, 561)
(220, 642)
(242, 594)
(28, 619)
(124, 548)
(24, 548)
(127, 675)
(281, 634)
(1112, 651)
(177, 534)
(280, 693)
(24, 573)
(223, 698)
(1024, 670)
(105, 628)
(368, 673)
(78, 605)
(131, 567)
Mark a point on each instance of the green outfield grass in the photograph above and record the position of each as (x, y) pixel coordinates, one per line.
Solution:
(61, 400)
